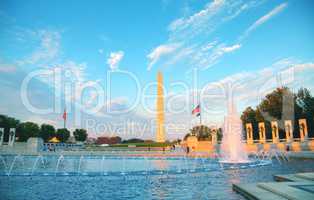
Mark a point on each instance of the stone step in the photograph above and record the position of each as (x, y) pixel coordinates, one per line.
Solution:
(300, 177)
(306, 176)
(290, 190)
(253, 192)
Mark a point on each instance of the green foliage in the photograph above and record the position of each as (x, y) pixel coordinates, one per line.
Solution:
(273, 104)
(63, 134)
(219, 134)
(80, 134)
(7, 123)
(26, 130)
(46, 132)
(306, 102)
(186, 136)
(279, 105)
(203, 133)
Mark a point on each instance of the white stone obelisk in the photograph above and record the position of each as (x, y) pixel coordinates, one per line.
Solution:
(160, 118)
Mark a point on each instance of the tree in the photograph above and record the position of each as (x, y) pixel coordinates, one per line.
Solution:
(306, 103)
(278, 103)
(26, 130)
(281, 104)
(63, 134)
(80, 134)
(203, 132)
(219, 134)
(7, 123)
(46, 132)
(250, 115)
(186, 136)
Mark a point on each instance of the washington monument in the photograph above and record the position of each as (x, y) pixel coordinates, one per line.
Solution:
(160, 118)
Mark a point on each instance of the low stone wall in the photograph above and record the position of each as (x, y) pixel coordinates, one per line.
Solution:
(208, 146)
(17, 148)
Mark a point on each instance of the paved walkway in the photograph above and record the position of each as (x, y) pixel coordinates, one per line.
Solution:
(291, 186)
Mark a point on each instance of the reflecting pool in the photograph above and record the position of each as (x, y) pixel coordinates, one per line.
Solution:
(127, 177)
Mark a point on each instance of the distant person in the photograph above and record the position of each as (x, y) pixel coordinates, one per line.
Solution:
(173, 147)
(163, 149)
(287, 147)
(187, 150)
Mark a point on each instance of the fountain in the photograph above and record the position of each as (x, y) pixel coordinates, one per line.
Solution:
(4, 163)
(13, 163)
(79, 166)
(39, 157)
(61, 157)
(232, 148)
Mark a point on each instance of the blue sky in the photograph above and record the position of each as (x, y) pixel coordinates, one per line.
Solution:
(244, 42)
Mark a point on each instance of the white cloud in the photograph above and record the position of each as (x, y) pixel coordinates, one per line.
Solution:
(303, 67)
(230, 48)
(114, 59)
(193, 33)
(160, 51)
(249, 88)
(198, 18)
(210, 57)
(265, 18)
(48, 49)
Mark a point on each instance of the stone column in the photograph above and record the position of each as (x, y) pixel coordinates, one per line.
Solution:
(261, 131)
(249, 133)
(160, 118)
(274, 131)
(289, 130)
(303, 130)
(11, 136)
(1, 136)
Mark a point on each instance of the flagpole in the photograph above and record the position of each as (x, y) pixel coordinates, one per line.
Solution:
(64, 119)
(65, 108)
(199, 103)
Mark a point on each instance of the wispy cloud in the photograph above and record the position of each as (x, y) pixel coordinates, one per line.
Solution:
(114, 59)
(230, 48)
(265, 18)
(193, 33)
(160, 51)
(47, 50)
(211, 56)
(197, 19)
(249, 87)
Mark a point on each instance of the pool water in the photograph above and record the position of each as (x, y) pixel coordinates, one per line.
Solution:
(91, 177)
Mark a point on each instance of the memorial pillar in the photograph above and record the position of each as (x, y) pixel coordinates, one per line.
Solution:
(303, 130)
(261, 131)
(289, 130)
(274, 131)
(11, 136)
(249, 133)
(1, 136)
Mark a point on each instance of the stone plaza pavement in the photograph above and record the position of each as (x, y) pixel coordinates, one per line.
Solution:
(298, 186)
